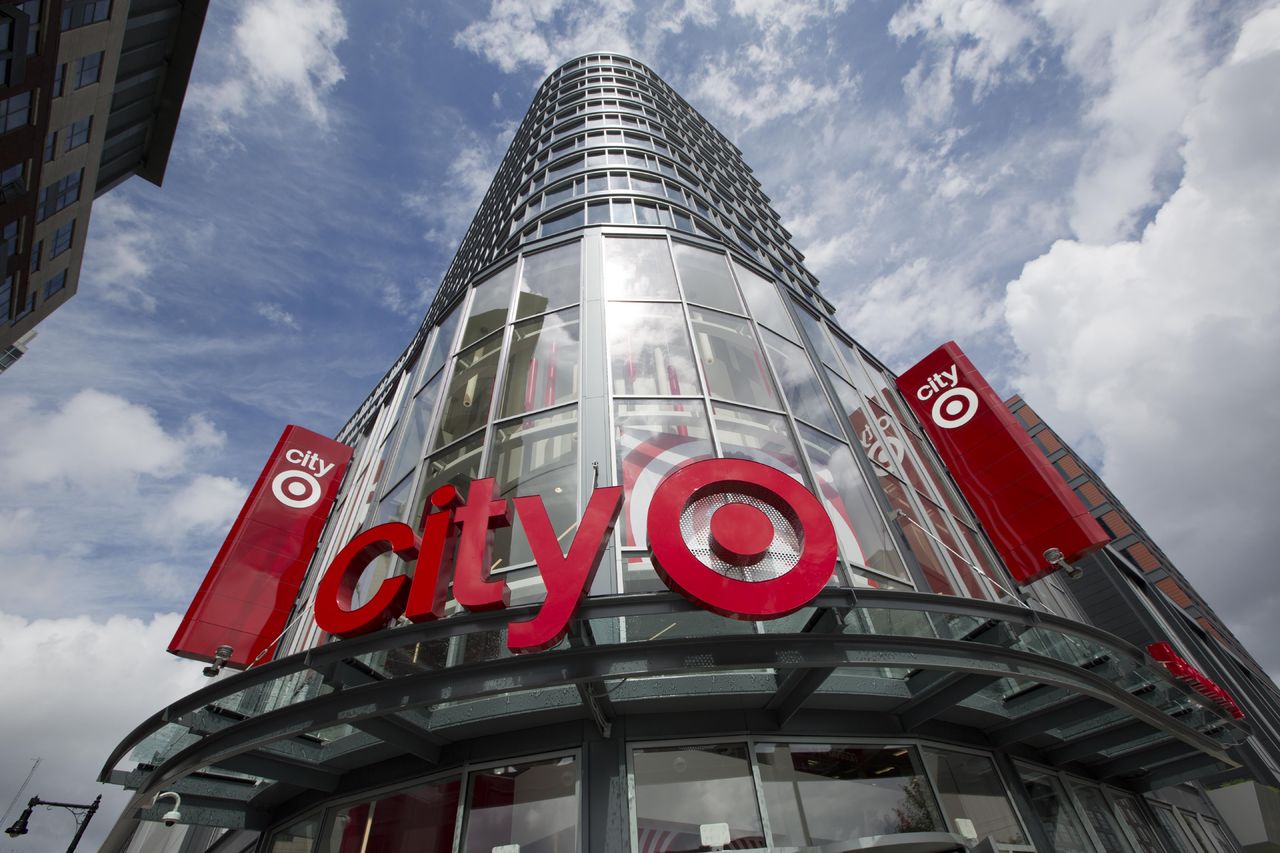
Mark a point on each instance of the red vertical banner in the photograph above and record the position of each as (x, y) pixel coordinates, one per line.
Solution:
(1014, 490)
(249, 591)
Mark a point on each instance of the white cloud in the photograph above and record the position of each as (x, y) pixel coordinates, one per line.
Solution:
(206, 504)
(282, 53)
(76, 687)
(276, 315)
(1163, 349)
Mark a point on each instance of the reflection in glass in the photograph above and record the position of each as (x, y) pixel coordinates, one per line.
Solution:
(799, 382)
(549, 280)
(419, 820)
(819, 794)
(542, 368)
(638, 269)
(653, 437)
(1055, 813)
(1164, 814)
(917, 536)
(458, 466)
(966, 571)
(391, 508)
(536, 456)
(1127, 807)
(971, 791)
(533, 805)
(466, 408)
(442, 344)
(1193, 825)
(860, 528)
(414, 432)
(489, 304)
(1098, 814)
(822, 346)
(649, 349)
(765, 303)
(705, 277)
(1218, 834)
(297, 838)
(758, 436)
(679, 789)
(731, 359)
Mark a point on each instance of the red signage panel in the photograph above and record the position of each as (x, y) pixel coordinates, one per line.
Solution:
(1020, 499)
(1194, 678)
(249, 591)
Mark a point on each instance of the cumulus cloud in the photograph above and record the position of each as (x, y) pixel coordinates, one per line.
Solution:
(282, 53)
(77, 686)
(206, 504)
(1163, 348)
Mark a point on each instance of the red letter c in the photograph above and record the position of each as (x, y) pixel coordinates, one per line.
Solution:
(333, 596)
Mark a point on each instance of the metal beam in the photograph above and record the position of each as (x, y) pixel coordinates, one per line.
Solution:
(943, 693)
(1183, 770)
(1142, 759)
(1074, 709)
(403, 735)
(259, 763)
(797, 685)
(1111, 737)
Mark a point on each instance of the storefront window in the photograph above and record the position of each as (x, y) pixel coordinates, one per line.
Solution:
(682, 791)
(653, 437)
(549, 280)
(765, 303)
(917, 536)
(1054, 810)
(489, 304)
(638, 269)
(1104, 824)
(759, 436)
(297, 838)
(419, 820)
(799, 383)
(731, 359)
(536, 456)
(1197, 831)
(1218, 834)
(466, 406)
(1164, 814)
(542, 368)
(705, 277)
(649, 350)
(1131, 814)
(973, 797)
(532, 808)
(818, 794)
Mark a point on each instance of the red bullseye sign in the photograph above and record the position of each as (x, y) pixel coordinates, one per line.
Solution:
(741, 535)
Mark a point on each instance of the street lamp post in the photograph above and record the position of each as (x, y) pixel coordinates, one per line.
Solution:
(20, 825)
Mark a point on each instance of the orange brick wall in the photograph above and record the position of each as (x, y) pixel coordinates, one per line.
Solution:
(1142, 555)
(1170, 587)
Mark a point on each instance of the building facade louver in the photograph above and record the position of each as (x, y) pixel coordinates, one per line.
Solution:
(624, 306)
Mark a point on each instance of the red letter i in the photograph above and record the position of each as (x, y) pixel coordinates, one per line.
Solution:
(430, 583)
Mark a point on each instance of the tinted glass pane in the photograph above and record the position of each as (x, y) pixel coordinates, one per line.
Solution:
(532, 805)
(680, 790)
(536, 456)
(414, 431)
(1098, 813)
(420, 820)
(542, 369)
(297, 838)
(1174, 829)
(549, 280)
(759, 436)
(1055, 813)
(705, 277)
(457, 466)
(653, 437)
(799, 382)
(817, 333)
(1129, 812)
(649, 349)
(1193, 825)
(765, 303)
(917, 535)
(863, 534)
(442, 346)
(731, 359)
(490, 302)
(466, 408)
(638, 269)
(973, 797)
(819, 794)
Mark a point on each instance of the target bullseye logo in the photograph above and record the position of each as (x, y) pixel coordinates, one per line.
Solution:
(741, 535)
(954, 408)
(296, 489)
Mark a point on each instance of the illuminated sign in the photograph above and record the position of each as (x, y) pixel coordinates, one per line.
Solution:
(735, 537)
(1014, 490)
(249, 591)
(1194, 678)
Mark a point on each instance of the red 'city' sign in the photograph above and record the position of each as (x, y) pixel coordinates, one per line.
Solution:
(740, 535)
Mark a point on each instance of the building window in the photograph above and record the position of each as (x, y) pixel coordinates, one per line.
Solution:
(88, 69)
(15, 112)
(62, 239)
(37, 254)
(32, 8)
(59, 79)
(54, 284)
(9, 237)
(78, 133)
(532, 806)
(680, 790)
(50, 146)
(58, 195)
(6, 295)
(81, 13)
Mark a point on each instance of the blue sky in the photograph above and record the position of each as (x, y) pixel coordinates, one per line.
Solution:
(1083, 195)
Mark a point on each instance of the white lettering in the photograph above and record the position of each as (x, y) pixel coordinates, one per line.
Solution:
(293, 455)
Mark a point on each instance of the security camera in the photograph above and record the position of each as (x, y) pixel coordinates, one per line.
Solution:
(221, 655)
(172, 816)
(1055, 557)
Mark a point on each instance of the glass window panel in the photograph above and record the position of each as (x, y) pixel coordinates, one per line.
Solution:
(649, 349)
(1193, 825)
(913, 529)
(799, 382)
(297, 838)
(819, 794)
(638, 269)
(1164, 815)
(622, 213)
(706, 280)
(542, 368)
(1129, 811)
(598, 182)
(758, 436)
(646, 214)
(457, 466)
(653, 437)
(536, 456)
(765, 303)
(414, 431)
(420, 820)
(863, 534)
(598, 213)
(489, 304)
(951, 547)
(559, 193)
(1050, 804)
(466, 408)
(442, 346)
(1098, 813)
(549, 280)
(1218, 834)
(679, 789)
(822, 345)
(532, 805)
(971, 791)
(731, 359)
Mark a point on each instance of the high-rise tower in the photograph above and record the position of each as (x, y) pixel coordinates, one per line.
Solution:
(808, 643)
